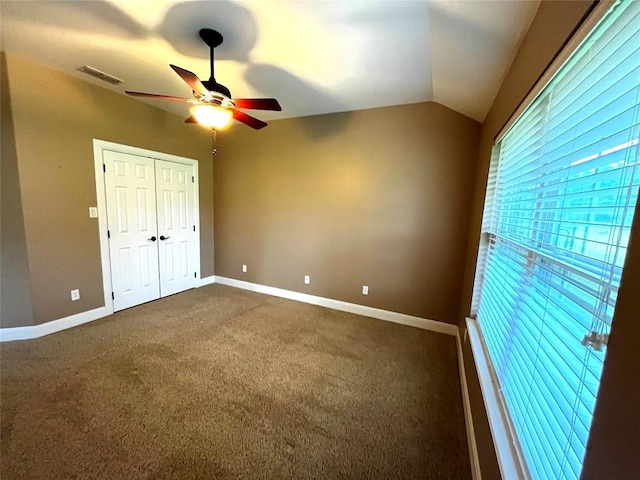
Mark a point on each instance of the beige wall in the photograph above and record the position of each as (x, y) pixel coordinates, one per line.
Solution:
(613, 450)
(377, 197)
(55, 119)
(15, 290)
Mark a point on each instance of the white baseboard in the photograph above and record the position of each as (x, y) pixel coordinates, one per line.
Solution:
(468, 419)
(386, 315)
(36, 331)
(206, 281)
(24, 333)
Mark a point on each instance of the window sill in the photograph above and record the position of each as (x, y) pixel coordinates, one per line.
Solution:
(506, 448)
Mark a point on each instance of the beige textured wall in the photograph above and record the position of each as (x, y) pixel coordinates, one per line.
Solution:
(613, 448)
(377, 197)
(15, 290)
(55, 119)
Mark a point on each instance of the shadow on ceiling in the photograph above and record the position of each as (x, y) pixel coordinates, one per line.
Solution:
(180, 28)
(183, 21)
(92, 17)
(284, 86)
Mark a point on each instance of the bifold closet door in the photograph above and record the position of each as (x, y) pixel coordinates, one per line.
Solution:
(130, 185)
(176, 226)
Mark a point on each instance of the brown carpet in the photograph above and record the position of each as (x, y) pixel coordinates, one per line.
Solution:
(220, 383)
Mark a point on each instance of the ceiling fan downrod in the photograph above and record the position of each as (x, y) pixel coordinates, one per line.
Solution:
(213, 39)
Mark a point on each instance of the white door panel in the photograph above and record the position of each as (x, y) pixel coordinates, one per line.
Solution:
(176, 226)
(131, 217)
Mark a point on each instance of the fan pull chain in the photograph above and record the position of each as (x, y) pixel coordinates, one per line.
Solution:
(213, 141)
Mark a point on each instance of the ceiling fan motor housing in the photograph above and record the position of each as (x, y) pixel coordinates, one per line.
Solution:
(214, 86)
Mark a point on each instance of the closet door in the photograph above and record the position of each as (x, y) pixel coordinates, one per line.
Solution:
(130, 186)
(176, 226)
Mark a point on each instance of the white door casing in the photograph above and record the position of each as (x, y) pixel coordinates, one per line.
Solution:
(183, 203)
(176, 226)
(131, 217)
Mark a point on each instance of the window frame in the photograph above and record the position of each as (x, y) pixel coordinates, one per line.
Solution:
(510, 458)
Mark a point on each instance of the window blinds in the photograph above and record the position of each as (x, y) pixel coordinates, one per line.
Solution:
(562, 188)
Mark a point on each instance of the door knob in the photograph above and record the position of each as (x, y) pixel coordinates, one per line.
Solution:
(162, 237)
(153, 239)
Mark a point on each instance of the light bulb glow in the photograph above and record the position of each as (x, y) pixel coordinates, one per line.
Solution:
(211, 115)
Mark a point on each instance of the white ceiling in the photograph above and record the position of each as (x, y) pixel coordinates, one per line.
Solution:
(313, 56)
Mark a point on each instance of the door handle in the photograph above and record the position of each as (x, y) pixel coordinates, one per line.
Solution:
(162, 237)
(153, 239)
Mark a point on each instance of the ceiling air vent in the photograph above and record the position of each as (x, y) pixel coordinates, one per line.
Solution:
(94, 72)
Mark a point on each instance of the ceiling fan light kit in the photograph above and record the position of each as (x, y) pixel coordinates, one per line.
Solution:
(214, 106)
(212, 116)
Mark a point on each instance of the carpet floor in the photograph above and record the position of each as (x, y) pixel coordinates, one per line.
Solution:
(221, 383)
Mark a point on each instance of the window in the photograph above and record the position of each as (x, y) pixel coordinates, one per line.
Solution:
(562, 189)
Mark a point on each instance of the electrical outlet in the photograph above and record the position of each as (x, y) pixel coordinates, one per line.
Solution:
(365, 290)
(75, 295)
(307, 280)
(244, 268)
(93, 212)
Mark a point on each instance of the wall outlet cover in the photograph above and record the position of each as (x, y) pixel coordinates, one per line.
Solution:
(75, 295)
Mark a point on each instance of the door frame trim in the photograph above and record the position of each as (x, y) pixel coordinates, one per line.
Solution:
(100, 146)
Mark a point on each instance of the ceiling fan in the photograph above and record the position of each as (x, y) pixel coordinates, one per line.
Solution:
(213, 105)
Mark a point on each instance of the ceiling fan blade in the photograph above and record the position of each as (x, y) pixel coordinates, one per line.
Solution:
(258, 104)
(248, 119)
(191, 79)
(191, 119)
(154, 95)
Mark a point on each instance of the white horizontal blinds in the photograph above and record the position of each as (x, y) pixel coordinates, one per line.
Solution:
(556, 229)
(485, 238)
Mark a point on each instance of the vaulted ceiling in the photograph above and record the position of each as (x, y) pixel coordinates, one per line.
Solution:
(314, 56)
